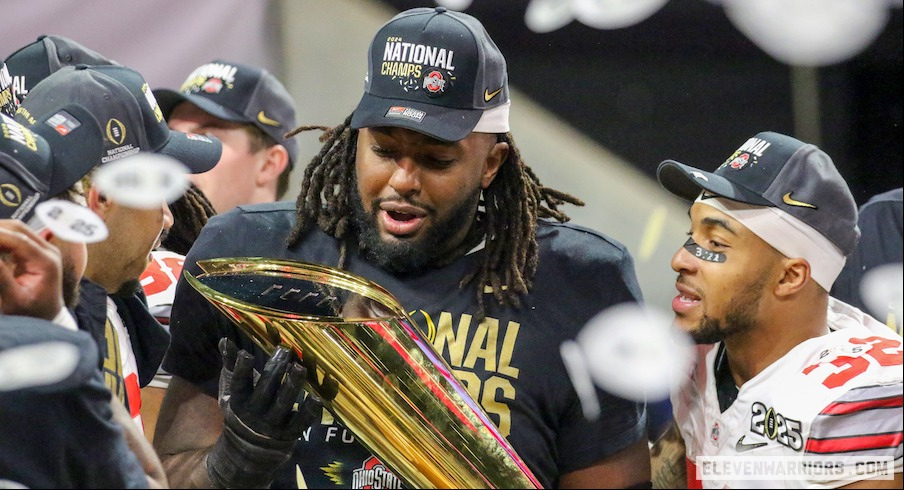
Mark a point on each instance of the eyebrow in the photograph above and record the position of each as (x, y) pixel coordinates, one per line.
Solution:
(719, 222)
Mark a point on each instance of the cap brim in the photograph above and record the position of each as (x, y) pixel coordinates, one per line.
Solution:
(198, 153)
(75, 152)
(169, 99)
(687, 182)
(438, 122)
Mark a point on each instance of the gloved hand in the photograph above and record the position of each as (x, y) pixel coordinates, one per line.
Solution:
(260, 424)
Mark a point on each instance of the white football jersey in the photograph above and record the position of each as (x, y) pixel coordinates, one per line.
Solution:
(836, 397)
(159, 281)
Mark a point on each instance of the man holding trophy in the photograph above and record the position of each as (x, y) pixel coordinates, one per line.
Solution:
(423, 192)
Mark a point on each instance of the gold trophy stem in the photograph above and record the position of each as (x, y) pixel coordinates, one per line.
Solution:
(396, 394)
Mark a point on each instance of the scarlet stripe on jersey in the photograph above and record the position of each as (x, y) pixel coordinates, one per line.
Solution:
(835, 445)
(844, 408)
(865, 421)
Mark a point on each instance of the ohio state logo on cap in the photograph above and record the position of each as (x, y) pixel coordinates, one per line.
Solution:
(434, 83)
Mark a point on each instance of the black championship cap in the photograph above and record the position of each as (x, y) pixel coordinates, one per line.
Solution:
(238, 93)
(776, 170)
(36, 61)
(127, 111)
(437, 72)
(42, 161)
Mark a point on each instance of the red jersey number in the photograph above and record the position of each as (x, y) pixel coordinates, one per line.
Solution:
(886, 352)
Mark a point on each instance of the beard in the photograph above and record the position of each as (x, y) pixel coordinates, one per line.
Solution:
(128, 288)
(406, 255)
(70, 286)
(741, 317)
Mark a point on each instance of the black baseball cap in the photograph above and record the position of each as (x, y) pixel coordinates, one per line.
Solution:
(45, 159)
(773, 169)
(238, 93)
(36, 61)
(435, 71)
(121, 101)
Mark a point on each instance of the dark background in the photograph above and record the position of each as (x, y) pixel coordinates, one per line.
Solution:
(687, 84)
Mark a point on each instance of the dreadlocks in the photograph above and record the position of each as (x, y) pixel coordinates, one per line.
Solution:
(512, 205)
(190, 214)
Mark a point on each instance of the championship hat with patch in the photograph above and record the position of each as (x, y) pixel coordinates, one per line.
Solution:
(435, 71)
(45, 159)
(36, 61)
(807, 198)
(238, 93)
(123, 104)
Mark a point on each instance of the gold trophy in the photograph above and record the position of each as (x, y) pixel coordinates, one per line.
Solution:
(396, 394)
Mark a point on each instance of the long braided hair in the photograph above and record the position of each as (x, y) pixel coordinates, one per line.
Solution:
(513, 203)
(190, 213)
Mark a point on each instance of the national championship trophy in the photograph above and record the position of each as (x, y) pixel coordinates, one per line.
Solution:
(396, 394)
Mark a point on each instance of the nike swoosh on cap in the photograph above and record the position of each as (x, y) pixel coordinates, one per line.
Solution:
(792, 202)
(266, 120)
(488, 96)
(741, 447)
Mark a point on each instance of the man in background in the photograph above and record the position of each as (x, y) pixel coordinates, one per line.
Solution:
(881, 222)
(250, 111)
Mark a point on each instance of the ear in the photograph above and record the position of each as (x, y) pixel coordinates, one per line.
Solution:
(795, 275)
(98, 202)
(498, 155)
(276, 159)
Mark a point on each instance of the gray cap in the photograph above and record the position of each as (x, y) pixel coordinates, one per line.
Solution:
(36, 61)
(121, 101)
(434, 71)
(239, 93)
(773, 169)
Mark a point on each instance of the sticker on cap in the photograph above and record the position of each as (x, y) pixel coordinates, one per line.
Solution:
(63, 122)
(69, 221)
(143, 181)
(406, 113)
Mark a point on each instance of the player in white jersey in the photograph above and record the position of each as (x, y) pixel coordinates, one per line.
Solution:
(818, 410)
(792, 389)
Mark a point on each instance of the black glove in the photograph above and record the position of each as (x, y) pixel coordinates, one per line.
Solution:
(260, 423)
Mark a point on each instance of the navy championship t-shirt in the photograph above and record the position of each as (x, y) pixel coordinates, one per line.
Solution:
(509, 363)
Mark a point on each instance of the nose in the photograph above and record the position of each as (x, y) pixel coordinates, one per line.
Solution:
(405, 178)
(684, 261)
